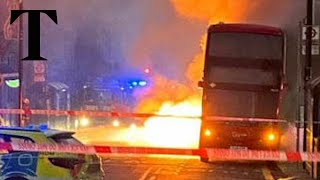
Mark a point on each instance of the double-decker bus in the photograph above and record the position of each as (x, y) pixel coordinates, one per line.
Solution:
(244, 77)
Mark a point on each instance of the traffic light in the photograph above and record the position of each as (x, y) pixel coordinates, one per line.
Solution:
(10, 79)
(14, 83)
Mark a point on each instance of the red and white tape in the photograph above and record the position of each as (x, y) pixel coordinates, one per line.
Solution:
(212, 154)
(130, 115)
(54, 148)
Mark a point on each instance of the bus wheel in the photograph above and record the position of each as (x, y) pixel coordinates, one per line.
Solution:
(203, 159)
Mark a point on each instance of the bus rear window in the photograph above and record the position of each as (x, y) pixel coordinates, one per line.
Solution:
(245, 45)
(243, 76)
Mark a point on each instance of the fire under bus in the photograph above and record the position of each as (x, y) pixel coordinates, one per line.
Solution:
(244, 76)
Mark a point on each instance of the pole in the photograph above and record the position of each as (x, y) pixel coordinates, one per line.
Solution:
(299, 89)
(308, 73)
(20, 64)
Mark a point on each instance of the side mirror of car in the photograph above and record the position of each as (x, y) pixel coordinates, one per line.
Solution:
(201, 84)
(285, 86)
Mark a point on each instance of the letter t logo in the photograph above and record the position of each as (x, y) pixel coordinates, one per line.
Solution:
(33, 30)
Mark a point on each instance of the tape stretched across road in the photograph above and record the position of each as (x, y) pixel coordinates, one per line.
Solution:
(128, 115)
(212, 154)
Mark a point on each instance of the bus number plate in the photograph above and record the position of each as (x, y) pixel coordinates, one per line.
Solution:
(239, 147)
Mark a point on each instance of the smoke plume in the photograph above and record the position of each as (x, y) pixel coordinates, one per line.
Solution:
(166, 35)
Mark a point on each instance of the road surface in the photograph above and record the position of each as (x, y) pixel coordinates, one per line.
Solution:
(138, 167)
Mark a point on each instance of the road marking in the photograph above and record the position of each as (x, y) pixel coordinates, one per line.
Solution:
(267, 174)
(178, 170)
(145, 174)
(158, 170)
(152, 178)
(132, 162)
(289, 178)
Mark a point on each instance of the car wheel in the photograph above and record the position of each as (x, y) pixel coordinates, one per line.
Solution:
(17, 178)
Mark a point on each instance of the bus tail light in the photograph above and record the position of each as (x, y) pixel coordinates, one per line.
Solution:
(271, 137)
(208, 132)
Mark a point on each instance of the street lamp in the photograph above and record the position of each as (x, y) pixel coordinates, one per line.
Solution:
(20, 64)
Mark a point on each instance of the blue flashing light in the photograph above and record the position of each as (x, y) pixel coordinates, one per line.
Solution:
(30, 127)
(122, 88)
(142, 83)
(43, 127)
(131, 87)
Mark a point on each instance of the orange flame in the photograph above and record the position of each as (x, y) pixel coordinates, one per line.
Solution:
(175, 132)
(211, 11)
(171, 97)
(214, 11)
(195, 68)
(162, 90)
(179, 132)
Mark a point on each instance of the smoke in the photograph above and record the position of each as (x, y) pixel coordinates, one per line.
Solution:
(241, 11)
(285, 14)
(166, 35)
(166, 42)
(173, 45)
(90, 37)
(269, 12)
